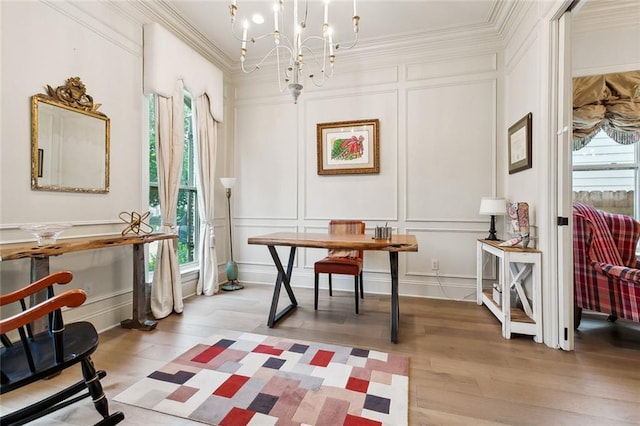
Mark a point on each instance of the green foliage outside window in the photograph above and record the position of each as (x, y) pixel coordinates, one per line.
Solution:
(187, 219)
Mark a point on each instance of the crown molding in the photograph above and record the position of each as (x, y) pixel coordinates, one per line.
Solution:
(146, 12)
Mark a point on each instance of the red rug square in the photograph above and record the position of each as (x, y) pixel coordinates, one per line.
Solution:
(237, 417)
(360, 421)
(231, 386)
(322, 358)
(208, 354)
(270, 350)
(357, 385)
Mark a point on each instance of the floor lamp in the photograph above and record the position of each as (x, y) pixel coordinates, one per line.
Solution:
(232, 267)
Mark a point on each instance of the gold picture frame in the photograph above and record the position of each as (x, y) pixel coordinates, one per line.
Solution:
(348, 147)
(520, 146)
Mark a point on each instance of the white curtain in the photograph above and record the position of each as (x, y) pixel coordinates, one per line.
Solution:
(166, 290)
(206, 148)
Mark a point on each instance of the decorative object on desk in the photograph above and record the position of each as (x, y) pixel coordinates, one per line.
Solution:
(135, 223)
(46, 233)
(383, 232)
(518, 214)
(303, 50)
(241, 378)
(232, 268)
(492, 206)
(519, 141)
(348, 147)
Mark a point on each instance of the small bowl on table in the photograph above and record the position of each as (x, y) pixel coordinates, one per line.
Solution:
(46, 233)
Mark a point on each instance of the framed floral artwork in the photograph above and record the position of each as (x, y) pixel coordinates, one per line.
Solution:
(348, 147)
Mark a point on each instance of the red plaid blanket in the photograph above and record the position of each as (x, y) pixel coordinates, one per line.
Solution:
(606, 267)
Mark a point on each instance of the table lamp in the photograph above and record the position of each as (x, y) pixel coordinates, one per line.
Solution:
(493, 206)
(232, 267)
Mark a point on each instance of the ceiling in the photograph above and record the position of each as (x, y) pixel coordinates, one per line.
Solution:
(380, 21)
(384, 24)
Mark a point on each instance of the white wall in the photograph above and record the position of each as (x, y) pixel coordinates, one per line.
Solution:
(437, 115)
(44, 43)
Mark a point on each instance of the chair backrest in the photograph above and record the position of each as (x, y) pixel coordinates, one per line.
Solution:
(346, 227)
(612, 238)
(49, 308)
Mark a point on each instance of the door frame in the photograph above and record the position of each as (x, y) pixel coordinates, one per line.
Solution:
(560, 249)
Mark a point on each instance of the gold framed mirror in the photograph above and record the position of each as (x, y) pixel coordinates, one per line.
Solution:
(69, 141)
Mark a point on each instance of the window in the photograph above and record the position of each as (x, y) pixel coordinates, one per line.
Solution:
(606, 176)
(188, 222)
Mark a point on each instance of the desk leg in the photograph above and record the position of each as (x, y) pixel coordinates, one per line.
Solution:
(395, 306)
(282, 278)
(139, 298)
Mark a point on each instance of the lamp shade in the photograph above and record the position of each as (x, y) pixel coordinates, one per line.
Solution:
(228, 182)
(493, 206)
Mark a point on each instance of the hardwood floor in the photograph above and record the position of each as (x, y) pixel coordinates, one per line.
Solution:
(462, 372)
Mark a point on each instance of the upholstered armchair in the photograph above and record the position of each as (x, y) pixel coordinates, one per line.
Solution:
(606, 268)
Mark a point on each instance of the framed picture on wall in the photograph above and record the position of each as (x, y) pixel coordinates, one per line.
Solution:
(519, 141)
(348, 147)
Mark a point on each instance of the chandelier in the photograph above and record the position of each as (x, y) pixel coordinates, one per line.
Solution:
(303, 51)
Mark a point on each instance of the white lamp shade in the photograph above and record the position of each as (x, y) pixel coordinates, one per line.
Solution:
(493, 206)
(228, 182)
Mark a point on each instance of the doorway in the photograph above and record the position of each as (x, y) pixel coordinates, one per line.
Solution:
(578, 52)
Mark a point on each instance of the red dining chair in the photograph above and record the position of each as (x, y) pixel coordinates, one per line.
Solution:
(341, 261)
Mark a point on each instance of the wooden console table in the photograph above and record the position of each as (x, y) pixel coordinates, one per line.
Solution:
(40, 255)
(515, 265)
(397, 244)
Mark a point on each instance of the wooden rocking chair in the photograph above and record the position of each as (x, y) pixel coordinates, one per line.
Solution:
(37, 356)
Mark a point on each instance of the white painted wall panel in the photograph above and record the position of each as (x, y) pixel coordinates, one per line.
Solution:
(266, 161)
(364, 196)
(450, 68)
(450, 140)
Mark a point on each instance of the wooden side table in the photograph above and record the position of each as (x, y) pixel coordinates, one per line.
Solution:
(39, 256)
(515, 266)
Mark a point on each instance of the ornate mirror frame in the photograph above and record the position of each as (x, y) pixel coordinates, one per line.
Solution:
(69, 141)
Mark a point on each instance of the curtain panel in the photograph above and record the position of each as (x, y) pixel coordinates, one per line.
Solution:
(166, 290)
(206, 148)
(609, 102)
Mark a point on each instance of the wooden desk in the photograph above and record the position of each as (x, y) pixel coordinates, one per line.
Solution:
(516, 264)
(397, 244)
(39, 256)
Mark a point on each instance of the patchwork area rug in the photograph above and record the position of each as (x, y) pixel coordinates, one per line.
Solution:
(236, 378)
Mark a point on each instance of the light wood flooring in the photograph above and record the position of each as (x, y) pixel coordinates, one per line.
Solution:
(462, 372)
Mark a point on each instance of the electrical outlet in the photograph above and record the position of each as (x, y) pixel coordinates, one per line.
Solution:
(434, 264)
